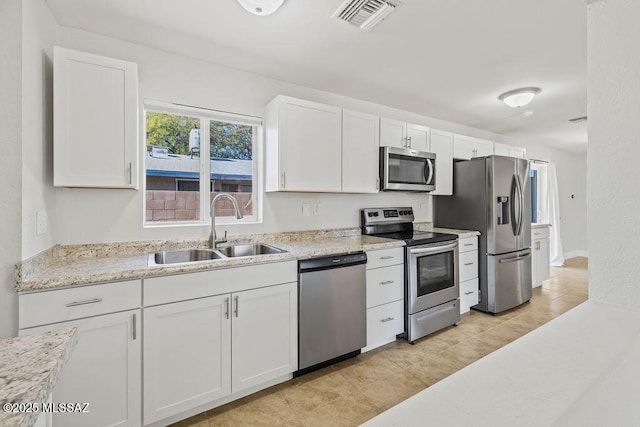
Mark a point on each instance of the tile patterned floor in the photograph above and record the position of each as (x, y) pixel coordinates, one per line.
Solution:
(351, 392)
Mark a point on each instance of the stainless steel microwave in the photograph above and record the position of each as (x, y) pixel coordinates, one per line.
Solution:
(403, 169)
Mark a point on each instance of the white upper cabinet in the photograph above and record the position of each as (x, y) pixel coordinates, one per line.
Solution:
(442, 145)
(509, 151)
(467, 147)
(303, 146)
(418, 137)
(360, 136)
(394, 133)
(95, 102)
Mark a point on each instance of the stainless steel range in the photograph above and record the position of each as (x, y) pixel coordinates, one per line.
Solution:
(432, 291)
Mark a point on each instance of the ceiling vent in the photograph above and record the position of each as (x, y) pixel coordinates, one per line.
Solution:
(578, 120)
(365, 14)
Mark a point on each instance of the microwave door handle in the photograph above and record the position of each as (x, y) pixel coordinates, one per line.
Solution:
(430, 178)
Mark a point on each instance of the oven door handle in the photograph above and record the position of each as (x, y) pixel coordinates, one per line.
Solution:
(432, 249)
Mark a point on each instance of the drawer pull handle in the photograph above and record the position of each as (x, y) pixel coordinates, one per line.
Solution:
(388, 319)
(387, 257)
(468, 244)
(386, 282)
(89, 301)
(468, 263)
(134, 326)
(468, 293)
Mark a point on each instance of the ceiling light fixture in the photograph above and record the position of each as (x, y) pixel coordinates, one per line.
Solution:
(519, 97)
(261, 7)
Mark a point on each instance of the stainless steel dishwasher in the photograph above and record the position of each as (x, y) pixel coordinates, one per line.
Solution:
(332, 309)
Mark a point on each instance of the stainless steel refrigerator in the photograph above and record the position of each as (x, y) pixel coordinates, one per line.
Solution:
(493, 196)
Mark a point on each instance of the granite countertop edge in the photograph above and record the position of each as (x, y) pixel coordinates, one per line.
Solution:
(87, 271)
(32, 365)
(81, 265)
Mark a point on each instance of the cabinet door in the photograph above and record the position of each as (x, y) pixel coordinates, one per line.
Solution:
(483, 148)
(265, 335)
(103, 370)
(418, 137)
(520, 153)
(442, 145)
(393, 133)
(463, 147)
(187, 355)
(95, 103)
(543, 266)
(360, 148)
(501, 149)
(311, 146)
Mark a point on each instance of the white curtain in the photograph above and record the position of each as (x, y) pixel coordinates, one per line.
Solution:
(556, 254)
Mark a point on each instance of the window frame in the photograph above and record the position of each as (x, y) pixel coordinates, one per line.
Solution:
(206, 116)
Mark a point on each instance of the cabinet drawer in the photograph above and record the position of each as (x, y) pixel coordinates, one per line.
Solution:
(468, 266)
(182, 287)
(384, 322)
(60, 305)
(468, 244)
(385, 285)
(468, 295)
(539, 233)
(385, 257)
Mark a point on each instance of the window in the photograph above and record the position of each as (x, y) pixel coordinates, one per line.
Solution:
(186, 147)
(539, 202)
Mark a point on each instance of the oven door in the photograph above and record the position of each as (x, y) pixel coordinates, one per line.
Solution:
(407, 170)
(432, 275)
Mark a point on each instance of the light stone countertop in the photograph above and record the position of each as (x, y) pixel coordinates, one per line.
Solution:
(30, 367)
(540, 225)
(462, 234)
(87, 264)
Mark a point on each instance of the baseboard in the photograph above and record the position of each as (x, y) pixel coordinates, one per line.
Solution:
(574, 254)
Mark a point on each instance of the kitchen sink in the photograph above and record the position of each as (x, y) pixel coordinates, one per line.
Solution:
(249, 250)
(187, 255)
(197, 255)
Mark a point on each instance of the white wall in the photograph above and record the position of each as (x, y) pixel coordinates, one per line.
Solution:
(614, 149)
(38, 37)
(108, 215)
(10, 160)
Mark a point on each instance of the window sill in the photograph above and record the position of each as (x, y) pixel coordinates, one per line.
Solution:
(185, 224)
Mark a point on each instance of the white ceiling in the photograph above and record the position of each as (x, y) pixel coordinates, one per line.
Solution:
(448, 59)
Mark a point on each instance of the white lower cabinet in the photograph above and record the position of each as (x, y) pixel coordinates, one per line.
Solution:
(385, 296)
(187, 355)
(103, 370)
(468, 273)
(202, 350)
(540, 264)
(264, 335)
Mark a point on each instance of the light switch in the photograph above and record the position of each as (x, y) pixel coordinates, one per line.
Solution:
(306, 209)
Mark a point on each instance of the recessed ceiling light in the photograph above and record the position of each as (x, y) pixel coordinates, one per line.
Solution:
(519, 97)
(261, 7)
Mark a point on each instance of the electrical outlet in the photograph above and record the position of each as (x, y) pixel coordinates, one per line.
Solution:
(316, 209)
(41, 222)
(306, 209)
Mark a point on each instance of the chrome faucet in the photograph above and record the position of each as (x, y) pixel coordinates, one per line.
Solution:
(213, 238)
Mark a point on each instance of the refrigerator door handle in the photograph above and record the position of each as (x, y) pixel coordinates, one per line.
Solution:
(514, 217)
(521, 205)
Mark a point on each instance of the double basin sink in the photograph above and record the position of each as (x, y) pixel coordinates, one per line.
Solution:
(197, 255)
